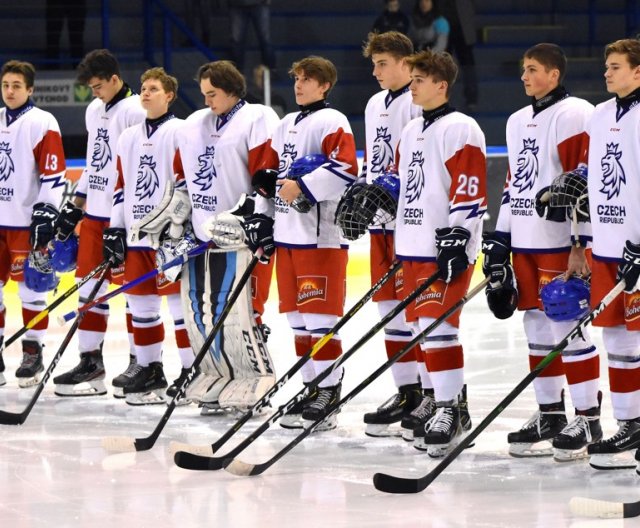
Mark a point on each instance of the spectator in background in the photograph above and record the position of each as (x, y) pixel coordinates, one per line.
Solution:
(75, 12)
(461, 15)
(428, 29)
(259, 13)
(255, 92)
(391, 19)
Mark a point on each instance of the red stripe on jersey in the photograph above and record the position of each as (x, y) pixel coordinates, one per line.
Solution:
(331, 350)
(270, 158)
(573, 150)
(49, 154)
(182, 338)
(258, 154)
(555, 368)
(93, 322)
(624, 380)
(466, 163)
(443, 359)
(27, 315)
(302, 344)
(148, 335)
(581, 371)
(393, 347)
(120, 173)
(341, 146)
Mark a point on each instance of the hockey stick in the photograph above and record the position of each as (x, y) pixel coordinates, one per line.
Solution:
(42, 314)
(126, 443)
(179, 260)
(240, 468)
(391, 484)
(199, 462)
(179, 448)
(603, 509)
(9, 418)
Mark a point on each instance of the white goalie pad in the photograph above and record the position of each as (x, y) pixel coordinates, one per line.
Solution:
(167, 219)
(237, 369)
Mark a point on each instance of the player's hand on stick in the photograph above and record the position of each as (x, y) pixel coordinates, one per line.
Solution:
(114, 245)
(452, 259)
(629, 268)
(67, 221)
(259, 232)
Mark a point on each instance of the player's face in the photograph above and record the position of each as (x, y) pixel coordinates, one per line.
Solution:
(105, 89)
(14, 90)
(308, 90)
(154, 99)
(620, 76)
(427, 92)
(219, 101)
(537, 80)
(391, 73)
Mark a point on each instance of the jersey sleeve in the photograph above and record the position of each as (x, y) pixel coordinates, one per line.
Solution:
(49, 156)
(117, 212)
(178, 170)
(259, 137)
(503, 224)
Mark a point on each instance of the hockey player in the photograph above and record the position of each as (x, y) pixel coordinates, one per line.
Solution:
(545, 139)
(218, 149)
(441, 164)
(385, 115)
(32, 169)
(613, 187)
(310, 258)
(115, 108)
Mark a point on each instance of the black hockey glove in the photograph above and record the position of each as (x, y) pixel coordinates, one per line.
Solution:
(259, 231)
(496, 249)
(629, 268)
(503, 298)
(546, 210)
(114, 245)
(452, 259)
(42, 220)
(67, 221)
(263, 182)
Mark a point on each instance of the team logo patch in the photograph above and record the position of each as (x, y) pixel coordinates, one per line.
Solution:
(527, 166)
(416, 179)
(148, 180)
(311, 288)
(612, 171)
(288, 156)
(101, 150)
(6, 163)
(398, 281)
(206, 169)
(546, 276)
(382, 151)
(632, 307)
(433, 294)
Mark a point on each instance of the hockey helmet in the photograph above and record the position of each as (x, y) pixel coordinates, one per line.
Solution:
(64, 254)
(565, 300)
(305, 165)
(38, 272)
(379, 201)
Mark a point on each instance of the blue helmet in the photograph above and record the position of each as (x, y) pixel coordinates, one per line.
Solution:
(38, 272)
(64, 254)
(305, 165)
(565, 300)
(390, 182)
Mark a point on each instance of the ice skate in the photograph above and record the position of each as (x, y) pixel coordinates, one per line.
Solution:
(85, 379)
(465, 421)
(125, 378)
(30, 370)
(292, 419)
(535, 436)
(147, 387)
(572, 442)
(618, 451)
(442, 433)
(172, 390)
(318, 408)
(417, 418)
(394, 410)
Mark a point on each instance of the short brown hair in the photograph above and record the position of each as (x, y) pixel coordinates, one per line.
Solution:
(551, 56)
(318, 68)
(169, 83)
(628, 47)
(438, 65)
(394, 43)
(25, 69)
(100, 63)
(225, 76)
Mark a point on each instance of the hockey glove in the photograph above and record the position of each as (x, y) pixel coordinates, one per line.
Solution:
(67, 221)
(263, 182)
(451, 243)
(114, 245)
(546, 210)
(496, 248)
(629, 268)
(503, 299)
(259, 231)
(43, 219)
(225, 229)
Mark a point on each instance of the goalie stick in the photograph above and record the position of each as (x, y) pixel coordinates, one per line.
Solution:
(585, 507)
(180, 449)
(391, 484)
(10, 418)
(179, 260)
(199, 462)
(42, 314)
(125, 443)
(240, 468)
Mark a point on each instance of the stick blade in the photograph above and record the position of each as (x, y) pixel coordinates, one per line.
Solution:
(196, 462)
(584, 507)
(118, 444)
(391, 484)
(202, 450)
(239, 468)
(8, 418)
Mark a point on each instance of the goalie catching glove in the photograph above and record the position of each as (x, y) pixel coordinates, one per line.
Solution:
(225, 229)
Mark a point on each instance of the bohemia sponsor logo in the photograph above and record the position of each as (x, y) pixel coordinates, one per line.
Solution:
(204, 179)
(6, 168)
(17, 265)
(632, 307)
(311, 288)
(546, 276)
(525, 177)
(415, 184)
(613, 177)
(398, 282)
(434, 294)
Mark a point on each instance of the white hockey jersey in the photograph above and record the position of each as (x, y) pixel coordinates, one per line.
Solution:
(104, 125)
(323, 131)
(442, 167)
(32, 164)
(614, 179)
(540, 148)
(217, 156)
(145, 164)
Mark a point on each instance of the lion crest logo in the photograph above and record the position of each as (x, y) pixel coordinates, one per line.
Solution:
(6, 163)
(288, 156)
(612, 171)
(416, 178)
(101, 150)
(527, 166)
(206, 169)
(382, 151)
(148, 180)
